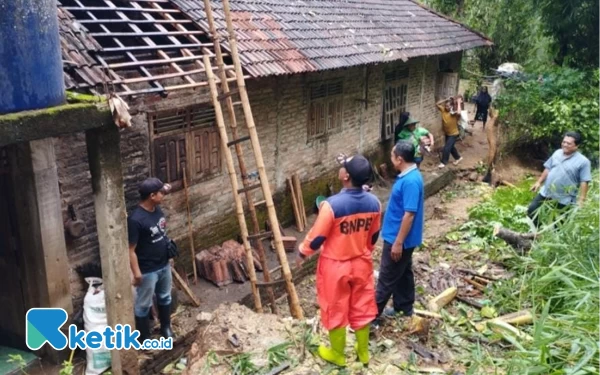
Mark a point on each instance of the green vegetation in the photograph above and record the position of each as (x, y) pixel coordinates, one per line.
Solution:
(554, 40)
(541, 112)
(533, 33)
(558, 280)
(19, 361)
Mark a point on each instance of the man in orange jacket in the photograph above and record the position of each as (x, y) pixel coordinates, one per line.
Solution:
(345, 232)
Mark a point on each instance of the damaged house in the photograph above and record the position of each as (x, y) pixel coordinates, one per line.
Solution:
(323, 77)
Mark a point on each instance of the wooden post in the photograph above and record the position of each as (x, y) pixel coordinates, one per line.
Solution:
(111, 220)
(41, 229)
(294, 303)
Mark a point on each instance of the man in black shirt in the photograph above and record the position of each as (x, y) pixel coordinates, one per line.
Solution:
(148, 255)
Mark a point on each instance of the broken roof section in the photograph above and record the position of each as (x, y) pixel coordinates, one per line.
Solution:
(134, 46)
(294, 36)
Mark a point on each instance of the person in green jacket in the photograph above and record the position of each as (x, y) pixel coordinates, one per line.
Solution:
(420, 137)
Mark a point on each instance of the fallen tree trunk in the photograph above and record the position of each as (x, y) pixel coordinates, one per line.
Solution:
(520, 241)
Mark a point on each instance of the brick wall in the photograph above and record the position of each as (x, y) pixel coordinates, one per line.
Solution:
(280, 109)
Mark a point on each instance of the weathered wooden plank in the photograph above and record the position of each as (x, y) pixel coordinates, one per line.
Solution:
(111, 220)
(438, 183)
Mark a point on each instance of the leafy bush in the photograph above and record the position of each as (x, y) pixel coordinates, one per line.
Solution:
(543, 110)
(558, 280)
(507, 208)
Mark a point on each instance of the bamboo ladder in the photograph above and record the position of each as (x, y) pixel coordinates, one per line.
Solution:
(226, 95)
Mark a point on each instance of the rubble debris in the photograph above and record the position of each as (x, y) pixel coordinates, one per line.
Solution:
(204, 317)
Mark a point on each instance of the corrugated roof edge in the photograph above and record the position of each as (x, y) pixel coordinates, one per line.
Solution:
(489, 41)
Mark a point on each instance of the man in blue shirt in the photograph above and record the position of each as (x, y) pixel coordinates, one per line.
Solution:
(402, 232)
(566, 175)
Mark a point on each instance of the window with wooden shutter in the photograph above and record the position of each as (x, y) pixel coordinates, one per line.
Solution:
(395, 95)
(185, 139)
(325, 110)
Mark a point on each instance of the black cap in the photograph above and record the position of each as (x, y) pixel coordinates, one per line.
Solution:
(153, 185)
(358, 167)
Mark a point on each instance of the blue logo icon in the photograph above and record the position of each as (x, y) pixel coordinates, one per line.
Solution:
(43, 326)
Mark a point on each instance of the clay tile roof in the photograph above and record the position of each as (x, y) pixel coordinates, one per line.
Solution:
(81, 71)
(294, 36)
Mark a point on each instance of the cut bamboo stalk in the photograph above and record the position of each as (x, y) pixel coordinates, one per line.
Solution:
(437, 303)
(469, 302)
(427, 314)
(294, 303)
(295, 207)
(239, 151)
(500, 326)
(517, 318)
(476, 285)
(481, 280)
(475, 273)
(234, 184)
(184, 287)
(190, 231)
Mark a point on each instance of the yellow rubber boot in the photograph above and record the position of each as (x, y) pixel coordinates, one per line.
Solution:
(335, 354)
(362, 344)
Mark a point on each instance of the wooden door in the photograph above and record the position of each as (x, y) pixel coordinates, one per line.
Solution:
(447, 85)
(394, 103)
(12, 303)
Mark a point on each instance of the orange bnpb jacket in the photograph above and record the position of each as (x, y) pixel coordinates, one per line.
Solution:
(347, 226)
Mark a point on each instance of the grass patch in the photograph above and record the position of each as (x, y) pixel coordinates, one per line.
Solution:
(558, 280)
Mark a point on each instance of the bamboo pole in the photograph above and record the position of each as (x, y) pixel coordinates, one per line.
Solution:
(300, 199)
(516, 318)
(239, 151)
(190, 232)
(184, 288)
(294, 303)
(296, 210)
(234, 183)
